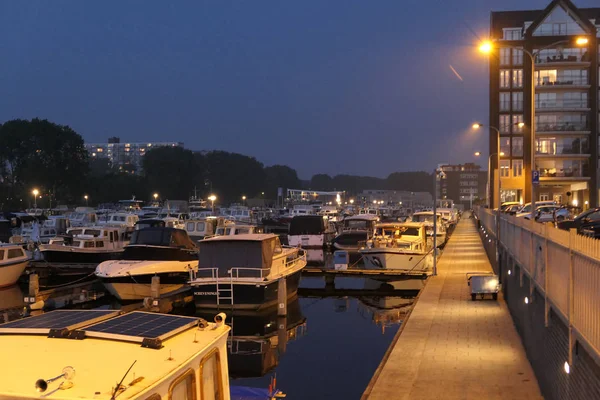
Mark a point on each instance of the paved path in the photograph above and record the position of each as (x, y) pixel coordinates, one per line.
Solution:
(452, 347)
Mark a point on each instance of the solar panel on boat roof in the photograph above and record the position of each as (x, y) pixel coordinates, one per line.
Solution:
(141, 326)
(59, 319)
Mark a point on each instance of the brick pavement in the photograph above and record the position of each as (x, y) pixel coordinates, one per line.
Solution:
(452, 347)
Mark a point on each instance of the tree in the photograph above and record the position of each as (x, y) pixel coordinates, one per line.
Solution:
(410, 181)
(234, 175)
(171, 171)
(280, 176)
(43, 154)
(321, 182)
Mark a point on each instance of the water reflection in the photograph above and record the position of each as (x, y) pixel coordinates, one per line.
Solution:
(259, 338)
(11, 303)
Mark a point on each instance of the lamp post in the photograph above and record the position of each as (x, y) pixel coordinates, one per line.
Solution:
(86, 200)
(487, 48)
(35, 193)
(244, 200)
(498, 153)
(212, 198)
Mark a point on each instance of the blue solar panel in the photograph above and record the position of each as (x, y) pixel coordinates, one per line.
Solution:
(138, 326)
(59, 319)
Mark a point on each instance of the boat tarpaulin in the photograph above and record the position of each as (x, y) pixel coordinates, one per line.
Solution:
(307, 225)
(256, 255)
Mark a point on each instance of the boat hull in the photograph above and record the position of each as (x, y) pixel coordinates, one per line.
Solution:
(310, 241)
(138, 287)
(383, 258)
(246, 295)
(350, 241)
(10, 272)
(77, 257)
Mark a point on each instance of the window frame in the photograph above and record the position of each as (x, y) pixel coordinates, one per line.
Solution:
(181, 378)
(218, 376)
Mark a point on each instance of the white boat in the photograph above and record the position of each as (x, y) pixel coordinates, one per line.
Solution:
(120, 219)
(355, 229)
(13, 262)
(83, 216)
(426, 217)
(399, 246)
(199, 228)
(243, 271)
(136, 355)
(310, 231)
(164, 252)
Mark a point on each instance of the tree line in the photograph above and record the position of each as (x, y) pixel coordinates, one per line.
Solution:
(52, 159)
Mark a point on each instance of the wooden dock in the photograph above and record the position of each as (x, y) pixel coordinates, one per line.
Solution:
(315, 271)
(450, 347)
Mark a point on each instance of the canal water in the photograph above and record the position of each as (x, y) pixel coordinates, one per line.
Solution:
(327, 347)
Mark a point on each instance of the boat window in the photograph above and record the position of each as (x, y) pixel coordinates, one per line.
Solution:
(99, 244)
(210, 372)
(184, 386)
(190, 226)
(111, 237)
(75, 231)
(200, 226)
(76, 243)
(14, 253)
(227, 231)
(356, 224)
(241, 231)
(93, 232)
(1, 254)
(88, 244)
(220, 231)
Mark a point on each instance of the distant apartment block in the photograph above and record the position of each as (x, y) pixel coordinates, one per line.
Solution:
(465, 184)
(126, 156)
(396, 197)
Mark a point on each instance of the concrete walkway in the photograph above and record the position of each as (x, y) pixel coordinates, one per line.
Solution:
(452, 347)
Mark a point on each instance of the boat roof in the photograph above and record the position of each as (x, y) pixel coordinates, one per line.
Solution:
(401, 224)
(248, 237)
(100, 360)
(362, 217)
(426, 212)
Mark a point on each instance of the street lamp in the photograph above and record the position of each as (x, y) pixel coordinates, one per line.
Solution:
(155, 195)
(35, 192)
(244, 200)
(491, 201)
(86, 199)
(487, 47)
(351, 201)
(212, 198)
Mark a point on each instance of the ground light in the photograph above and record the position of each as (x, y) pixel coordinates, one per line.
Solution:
(509, 272)
(567, 367)
(526, 300)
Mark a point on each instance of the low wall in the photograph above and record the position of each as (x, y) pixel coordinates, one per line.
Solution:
(547, 347)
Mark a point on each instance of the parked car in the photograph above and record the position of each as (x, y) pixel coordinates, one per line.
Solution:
(526, 209)
(550, 213)
(509, 205)
(587, 223)
(512, 209)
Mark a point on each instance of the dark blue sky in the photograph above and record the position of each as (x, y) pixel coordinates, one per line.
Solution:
(358, 87)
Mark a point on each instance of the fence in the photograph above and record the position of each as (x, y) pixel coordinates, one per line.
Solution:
(563, 265)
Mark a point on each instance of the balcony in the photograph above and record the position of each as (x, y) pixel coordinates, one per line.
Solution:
(563, 168)
(564, 83)
(563, 150)
(561, 105)
(564, 61)
(564, 127)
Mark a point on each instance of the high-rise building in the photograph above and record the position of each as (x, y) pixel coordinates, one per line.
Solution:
(126, 157)
(563, 41)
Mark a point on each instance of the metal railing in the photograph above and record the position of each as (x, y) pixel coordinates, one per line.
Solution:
(562, 127)
(563, 265)
(563, 82)
(558, 104)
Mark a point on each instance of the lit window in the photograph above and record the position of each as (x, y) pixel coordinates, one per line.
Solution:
(504, 56)
(517, 168)
(517, 80)
(504, 168)
(504, 125)
(516, 120)
(517, 101)
(504, 78)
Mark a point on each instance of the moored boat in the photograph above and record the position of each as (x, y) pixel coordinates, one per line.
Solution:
(310, 231)
(164, 252)
(13, 262)
(398, 246)
(244, 271)
(85, 245)
(355, 229)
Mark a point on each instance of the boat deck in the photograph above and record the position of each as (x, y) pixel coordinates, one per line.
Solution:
(451, 347)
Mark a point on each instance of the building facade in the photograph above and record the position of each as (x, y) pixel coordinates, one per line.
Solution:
(126, 157)
(465, 184)
(563, 42)
(407, 199)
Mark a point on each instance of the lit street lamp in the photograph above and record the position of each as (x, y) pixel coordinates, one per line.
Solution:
(35, 192)
(212, 198)
(86, 199)
(155, 195)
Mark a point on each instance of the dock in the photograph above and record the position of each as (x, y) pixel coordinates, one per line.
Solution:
(450, 347)
(315, 271)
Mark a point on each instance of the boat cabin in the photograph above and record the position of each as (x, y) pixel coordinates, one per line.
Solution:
(149, 223)
(236, 229)
(407, 231)
(360, 222)
(121, 219)
(103, 354)
(96, 236)
(199, 228)
(308, 225)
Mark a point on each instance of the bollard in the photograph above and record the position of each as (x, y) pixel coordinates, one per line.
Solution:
(34, 285)
(155, 287)
(281, 297)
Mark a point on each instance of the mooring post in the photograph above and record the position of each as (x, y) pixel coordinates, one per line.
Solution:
(34, 285)
(281, 297)
(282, 334)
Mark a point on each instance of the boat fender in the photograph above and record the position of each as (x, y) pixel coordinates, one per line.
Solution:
(220, 319)
(202, 323)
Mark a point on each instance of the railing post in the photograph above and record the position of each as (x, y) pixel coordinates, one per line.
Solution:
(572, 238)
(546, 304)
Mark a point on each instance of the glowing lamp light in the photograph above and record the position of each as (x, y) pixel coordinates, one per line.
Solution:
(567, 367)
(486, 47)
(212, 197)
(35, 192)
(581, 41)
(509, 272)
(477, 153)
(575, 202)
(521, 124)
(526, 300)
(477, 125)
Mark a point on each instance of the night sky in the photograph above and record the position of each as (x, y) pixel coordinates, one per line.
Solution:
(356, 87)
